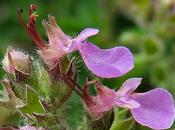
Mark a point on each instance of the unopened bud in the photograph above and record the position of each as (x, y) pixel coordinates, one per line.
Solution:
(16, 61)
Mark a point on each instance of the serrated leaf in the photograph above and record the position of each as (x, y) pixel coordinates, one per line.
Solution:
(75, 112)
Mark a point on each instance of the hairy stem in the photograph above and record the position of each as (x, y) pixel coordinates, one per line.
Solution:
(75, 87)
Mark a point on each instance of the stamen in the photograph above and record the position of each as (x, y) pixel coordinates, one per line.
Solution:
(30, 26)
(20, 11)
(32, 8)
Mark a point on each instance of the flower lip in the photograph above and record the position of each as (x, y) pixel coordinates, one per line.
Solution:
(152, 110)
(107, 63)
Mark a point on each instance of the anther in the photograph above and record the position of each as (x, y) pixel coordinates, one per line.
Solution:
(20, 11)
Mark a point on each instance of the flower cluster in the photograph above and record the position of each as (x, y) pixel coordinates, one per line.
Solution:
(146, 108)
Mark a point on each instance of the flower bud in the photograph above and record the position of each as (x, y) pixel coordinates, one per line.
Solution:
(16, 61)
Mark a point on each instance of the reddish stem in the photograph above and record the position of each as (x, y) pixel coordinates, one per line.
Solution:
(76, 88)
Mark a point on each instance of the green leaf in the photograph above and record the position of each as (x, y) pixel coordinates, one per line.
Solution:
(75, 112)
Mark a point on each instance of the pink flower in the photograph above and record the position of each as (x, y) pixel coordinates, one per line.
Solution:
(106, 63)
(147, 108)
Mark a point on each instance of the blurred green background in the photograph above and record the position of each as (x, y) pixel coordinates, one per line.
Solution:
(146, 27)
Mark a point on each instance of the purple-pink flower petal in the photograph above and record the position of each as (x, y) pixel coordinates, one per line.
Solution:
(107, 63)
(125, 102)
(86, 33)
(156, 110)
(129, 86)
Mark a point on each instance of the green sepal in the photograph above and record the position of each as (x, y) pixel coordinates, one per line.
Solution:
(121, 122)
(33, 103)
(40, 80)
(8, 106)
